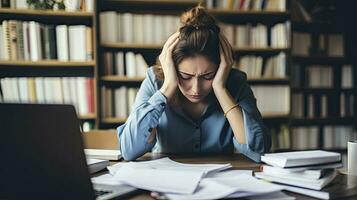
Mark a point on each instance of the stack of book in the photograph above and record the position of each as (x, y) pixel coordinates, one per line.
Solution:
(304, 172)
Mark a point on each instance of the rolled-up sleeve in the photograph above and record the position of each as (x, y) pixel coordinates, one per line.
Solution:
(149, 105)
(258, 136)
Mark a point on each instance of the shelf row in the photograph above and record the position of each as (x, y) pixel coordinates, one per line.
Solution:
(82, 14)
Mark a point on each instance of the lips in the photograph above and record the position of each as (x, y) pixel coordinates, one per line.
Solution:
(196, 96)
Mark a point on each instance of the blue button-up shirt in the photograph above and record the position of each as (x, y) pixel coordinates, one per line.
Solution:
(178, 133)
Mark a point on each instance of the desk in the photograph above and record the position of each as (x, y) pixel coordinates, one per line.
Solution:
(345, 184)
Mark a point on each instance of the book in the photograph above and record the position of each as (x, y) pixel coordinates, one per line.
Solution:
(62, 42)
(104, 154)
(313, 167)
(313, 174)
(95, 165)
(315, 184)
(266, 94)
(77, 42)
(339, 188)
(300, 158)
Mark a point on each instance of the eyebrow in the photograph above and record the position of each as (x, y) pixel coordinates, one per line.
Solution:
(199, 75)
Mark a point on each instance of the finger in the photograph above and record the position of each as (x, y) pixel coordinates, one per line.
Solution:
(171, 39)
(223, 48)
(227, 49)
(221, 54)
(172, 46)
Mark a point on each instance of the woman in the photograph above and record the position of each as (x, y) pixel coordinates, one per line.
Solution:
(194, 102)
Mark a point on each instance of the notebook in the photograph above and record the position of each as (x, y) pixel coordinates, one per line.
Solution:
(104, 154)
(96, 165)
(300, 158)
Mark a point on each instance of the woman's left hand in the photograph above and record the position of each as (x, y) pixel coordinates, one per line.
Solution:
(226, 55)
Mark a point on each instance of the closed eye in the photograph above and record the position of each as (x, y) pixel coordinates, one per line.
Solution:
(209, 76)
(185, 76)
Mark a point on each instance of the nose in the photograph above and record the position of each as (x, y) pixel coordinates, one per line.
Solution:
(196, 86)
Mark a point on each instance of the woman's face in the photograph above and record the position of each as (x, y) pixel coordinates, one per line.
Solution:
(195, 75)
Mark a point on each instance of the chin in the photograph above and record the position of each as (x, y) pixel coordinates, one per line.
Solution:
(194, 100)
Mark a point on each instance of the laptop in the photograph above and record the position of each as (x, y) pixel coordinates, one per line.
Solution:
(42, 155)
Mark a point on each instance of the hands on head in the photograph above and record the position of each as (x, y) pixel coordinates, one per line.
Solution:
(170, 84)
(171, 81)
(225, 66)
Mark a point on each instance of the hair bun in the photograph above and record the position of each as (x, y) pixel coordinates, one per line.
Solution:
(197, 17)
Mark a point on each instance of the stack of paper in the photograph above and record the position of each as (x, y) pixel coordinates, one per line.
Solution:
(309, 170)
(189, 181)
(104, 154)
(95, 165)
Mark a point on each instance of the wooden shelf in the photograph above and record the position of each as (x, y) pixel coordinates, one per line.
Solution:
(114, 78)
(321, 90)
(251, 16)
(260, 49)
(160, 2)
(91, 116)
(323, 121)
(216, 11)
(113, 120)
(268, 81)
(120, 45)
(319, 60)
(275, 115)
(47, 63)
(143, 6)
(37, 13)
(317, 27)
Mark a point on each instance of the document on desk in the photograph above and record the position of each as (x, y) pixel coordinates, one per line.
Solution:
(160, 180)
(168, 164)
(158, 175)
(106, 179)
(242, 185)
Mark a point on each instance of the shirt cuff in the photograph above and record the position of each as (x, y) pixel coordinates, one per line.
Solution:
(158, 99)
(244, 149)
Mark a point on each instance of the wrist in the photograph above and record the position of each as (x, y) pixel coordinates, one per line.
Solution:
(217, 89)
(168, 90)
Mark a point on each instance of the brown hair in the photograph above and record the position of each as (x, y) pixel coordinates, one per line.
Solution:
(199, 36)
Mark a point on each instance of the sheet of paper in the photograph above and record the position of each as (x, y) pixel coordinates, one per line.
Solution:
(160, 180)
(91, 161)
(104, 154)
(168, 164)
(106, 179)
(229, 173)
(242, 185)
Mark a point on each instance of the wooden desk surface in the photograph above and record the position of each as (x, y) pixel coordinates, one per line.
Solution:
(343, 185)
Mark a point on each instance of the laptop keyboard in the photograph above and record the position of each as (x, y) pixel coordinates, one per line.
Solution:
(101, 192)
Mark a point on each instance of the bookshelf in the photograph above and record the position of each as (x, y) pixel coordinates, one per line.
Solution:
(47, 71)
(323, 84)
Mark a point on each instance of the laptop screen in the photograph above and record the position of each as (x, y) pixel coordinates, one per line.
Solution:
(42, 153)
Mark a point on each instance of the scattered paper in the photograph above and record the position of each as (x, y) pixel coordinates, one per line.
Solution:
(106, 179)
(168, 164)
(175, 181)
(238, 186)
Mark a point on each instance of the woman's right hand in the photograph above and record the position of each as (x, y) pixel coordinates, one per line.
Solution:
(170, 84)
